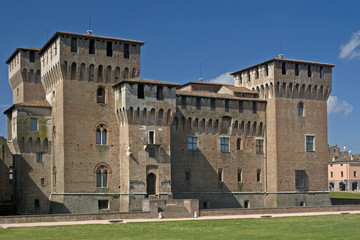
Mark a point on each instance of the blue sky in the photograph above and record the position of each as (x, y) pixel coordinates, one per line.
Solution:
(220, 36)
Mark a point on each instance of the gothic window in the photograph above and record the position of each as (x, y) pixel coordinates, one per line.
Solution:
(117, 74)
(100, 95)
(133, 74)
(38, 76)
(101, 135)
(73, 71)
(91, 73)
(31, 76)
(46, 145)
(102, 176)
(321, 72)
(100, 74)
(301, 109)
(238, 144)
(126, 73)
(82, 72)
(30, 142)
(33, 124)
(108, 74)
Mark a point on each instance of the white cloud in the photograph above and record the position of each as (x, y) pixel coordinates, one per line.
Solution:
(225, 78)
(335, 105)
(349, 50)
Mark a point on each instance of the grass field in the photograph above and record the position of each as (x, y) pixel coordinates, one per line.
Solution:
(349, 195)
(345, 226)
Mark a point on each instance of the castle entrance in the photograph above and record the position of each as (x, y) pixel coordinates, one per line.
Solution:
(151, 184)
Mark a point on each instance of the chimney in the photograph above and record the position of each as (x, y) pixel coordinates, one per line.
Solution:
(201, 79)
(281, 55)
(89, 32)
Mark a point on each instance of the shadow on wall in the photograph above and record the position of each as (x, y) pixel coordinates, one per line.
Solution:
(32, 197)
(205, 174)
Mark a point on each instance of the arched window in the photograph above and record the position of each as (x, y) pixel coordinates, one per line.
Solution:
(117, 74)
(73, 71)
(126, 73)
(102, 176)
(100, 95)
(25, 74)
(91, 73)
(38, 76)
(133, 74)
(46, 145)
(65, 69)
(30, 149)
(101, 134)
(301, 109)
(238, 144)
(152, 116)
(31, 76)
(100, 74)
(108, 74)
(82, 72)
(38, 146)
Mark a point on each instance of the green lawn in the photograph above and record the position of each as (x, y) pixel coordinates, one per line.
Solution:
(345, 226)
(349, 195)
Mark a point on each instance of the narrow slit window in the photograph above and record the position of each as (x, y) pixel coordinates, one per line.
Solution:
(126, 51)
(109, 50)
(74, 45)
(159, 93)
(283, 68)
(296, 69)
(140, 90)
(92, 46)
(309, 70)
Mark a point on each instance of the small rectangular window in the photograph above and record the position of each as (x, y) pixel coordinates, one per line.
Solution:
(74, 44)
(309, 70)
(310, 143)
(32, 56)
(254, 108)
(257, 73)
(296, 69)
(266, 70)
(241, 106)
(341, 174)
(239, 175)
(187, 176)
(321, 72)
(109, 51)
(42, 181)
(224, 144)
(355, 174)
(212, 103)
(183, 102)
(92, 46)
(140, 90)
(300, 179)
(126, 50)
(331, 174)
(151, 137)
(103, 204)
(192, 143)
(11, 173)
(198, 103)
(151, 152)
(283, 68)
(220, 175)
(38, 157)
(33, 124)
(227, 107)
(259, 146)
(159, 93)
(258, 175)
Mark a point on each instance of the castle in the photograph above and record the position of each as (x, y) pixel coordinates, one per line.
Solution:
(87, 135)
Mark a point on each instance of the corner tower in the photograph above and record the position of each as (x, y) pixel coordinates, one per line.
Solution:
(296, 118)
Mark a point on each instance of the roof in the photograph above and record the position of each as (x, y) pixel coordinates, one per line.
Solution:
(144, 80)
(284, 60)
(35, 103)
(344, 161)
(18, 49)
(214, 95)
(56, 34)
(239, 89)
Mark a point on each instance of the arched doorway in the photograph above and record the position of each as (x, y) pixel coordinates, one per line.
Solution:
(354, 186)
(342, 186)
(151, 184)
